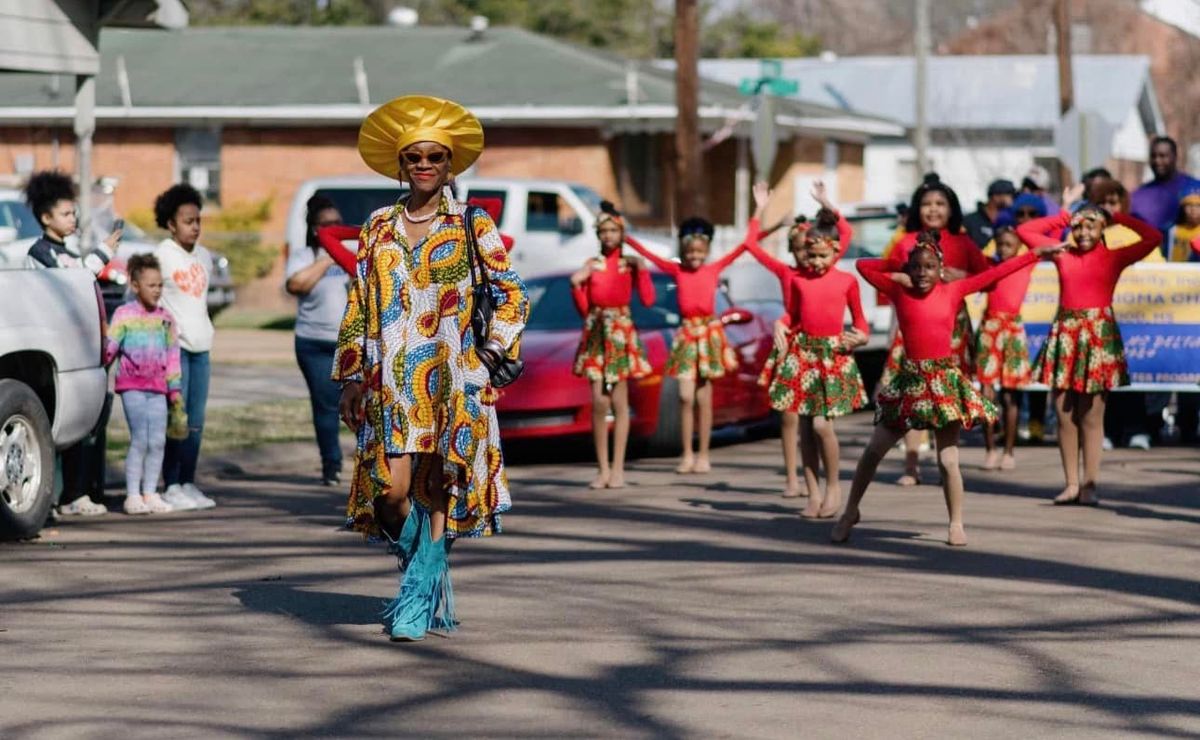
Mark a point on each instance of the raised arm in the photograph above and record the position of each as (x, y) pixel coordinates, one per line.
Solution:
(845, 234)
(878, 273)
(731, 257)
(989, 277)
(1149, 238)
(351, 349)
(667, 266)
(331, 238)
(779, 269)
(1043, 231)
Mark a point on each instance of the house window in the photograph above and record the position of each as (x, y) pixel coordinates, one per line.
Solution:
(198, 152)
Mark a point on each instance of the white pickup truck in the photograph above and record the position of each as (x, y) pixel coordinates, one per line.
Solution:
(552, 222)
(52, 384)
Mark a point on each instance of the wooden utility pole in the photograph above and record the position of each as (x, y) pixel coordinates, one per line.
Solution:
(689, 193)
(1066, 83)
(921, 127)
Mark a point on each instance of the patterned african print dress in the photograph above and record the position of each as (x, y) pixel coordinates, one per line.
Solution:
(406, 335)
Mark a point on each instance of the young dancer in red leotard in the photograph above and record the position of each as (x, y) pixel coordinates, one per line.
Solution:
(934, 206)
(812, 378)
(610, 351)
(1084, 358)
(929, 391)
(1001, 351)
(700, 352)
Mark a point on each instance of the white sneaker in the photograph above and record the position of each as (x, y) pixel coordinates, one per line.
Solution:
(155, 504)
(82, 506)
(136, 506)
(197, 496)
(1139, 442)
(177, 498)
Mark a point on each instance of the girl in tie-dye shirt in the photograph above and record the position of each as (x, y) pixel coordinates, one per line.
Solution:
(144, 338)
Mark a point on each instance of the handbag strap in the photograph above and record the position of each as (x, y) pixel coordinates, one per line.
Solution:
(473, 247)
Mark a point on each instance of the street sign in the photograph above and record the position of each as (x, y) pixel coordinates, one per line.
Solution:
(763, 140)
(1083, 140)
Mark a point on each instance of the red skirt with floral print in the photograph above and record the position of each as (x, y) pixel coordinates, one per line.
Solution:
(1084, 352)
(813, 378)
(1002, 352)
(931, 394)
(610, 349)
(701, 350)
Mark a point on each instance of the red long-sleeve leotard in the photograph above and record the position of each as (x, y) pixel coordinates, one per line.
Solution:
(816, 304)
(1007, 295)
(927, 321)
(1088, 279)
(958, 252)
(696, 290)
(612, 287)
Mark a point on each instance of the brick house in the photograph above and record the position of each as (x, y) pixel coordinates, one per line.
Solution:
(249, 113)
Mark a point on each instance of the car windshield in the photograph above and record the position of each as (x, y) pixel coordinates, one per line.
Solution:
(872, 234)
(551, 307)
(591, 199)
(16, 215)
(356, 204)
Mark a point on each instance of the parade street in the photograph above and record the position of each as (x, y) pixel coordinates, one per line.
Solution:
(697, 606)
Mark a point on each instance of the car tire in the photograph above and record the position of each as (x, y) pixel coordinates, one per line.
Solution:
(26, 462)
(665, 440)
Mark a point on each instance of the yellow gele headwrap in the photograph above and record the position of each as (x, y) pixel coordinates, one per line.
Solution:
(404, 121)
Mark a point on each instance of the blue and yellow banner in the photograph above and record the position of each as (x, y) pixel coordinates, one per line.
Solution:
(1158, 308)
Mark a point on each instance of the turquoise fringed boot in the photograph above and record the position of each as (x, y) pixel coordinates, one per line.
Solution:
(426, 598)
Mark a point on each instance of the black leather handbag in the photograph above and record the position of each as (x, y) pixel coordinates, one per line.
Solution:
(507, 370)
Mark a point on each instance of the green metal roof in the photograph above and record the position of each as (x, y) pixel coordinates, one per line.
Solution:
(278, 68)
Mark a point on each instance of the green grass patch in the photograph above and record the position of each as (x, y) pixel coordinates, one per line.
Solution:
(235, 318)
(234, 427)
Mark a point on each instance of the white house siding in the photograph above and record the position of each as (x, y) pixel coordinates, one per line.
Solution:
(968, 169)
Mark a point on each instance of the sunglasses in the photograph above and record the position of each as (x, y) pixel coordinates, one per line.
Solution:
(433, 158)
(1027, 212)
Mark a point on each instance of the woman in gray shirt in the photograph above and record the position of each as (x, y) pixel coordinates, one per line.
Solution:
(321, 287)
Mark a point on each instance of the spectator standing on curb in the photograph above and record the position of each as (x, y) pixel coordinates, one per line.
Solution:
(1157, 201)
(980, 225)
(321, 286)
(186, 267)
(51, 197)
(143, 337)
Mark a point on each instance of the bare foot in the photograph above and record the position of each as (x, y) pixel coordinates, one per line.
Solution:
(908, 480)
(1069, 495)
(793, 490)
(686, 465)
(841, 530)
(1008, 462)
(832, 502)
(703, 465)
(813, 509)
(1087, 495)
(601, 480)
(616, 480)
(991, 461)
(956, 536)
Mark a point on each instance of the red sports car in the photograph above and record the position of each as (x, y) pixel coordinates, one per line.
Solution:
(550, 401)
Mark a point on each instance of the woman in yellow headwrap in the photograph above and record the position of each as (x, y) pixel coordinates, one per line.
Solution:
(416, 388)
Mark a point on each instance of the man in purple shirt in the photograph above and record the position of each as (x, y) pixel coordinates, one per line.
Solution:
(1157, 202)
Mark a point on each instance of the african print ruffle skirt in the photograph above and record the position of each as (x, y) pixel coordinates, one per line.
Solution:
(701, 350)
(1002, 352)
(931, 394)
(610, 349)
(1084, 352)
(813, 378)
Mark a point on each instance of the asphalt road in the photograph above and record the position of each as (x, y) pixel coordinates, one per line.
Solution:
(679, 607)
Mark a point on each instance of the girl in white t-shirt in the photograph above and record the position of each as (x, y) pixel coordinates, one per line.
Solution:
(186, 268)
